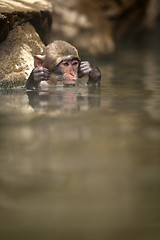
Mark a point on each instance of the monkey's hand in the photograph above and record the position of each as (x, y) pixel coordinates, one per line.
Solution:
(93, 72)
(40, 74)
(84, 69)
(37, 75)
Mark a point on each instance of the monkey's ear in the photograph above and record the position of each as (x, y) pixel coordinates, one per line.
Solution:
(38, 60)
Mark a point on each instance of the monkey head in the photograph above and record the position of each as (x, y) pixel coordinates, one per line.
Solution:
(62, 61)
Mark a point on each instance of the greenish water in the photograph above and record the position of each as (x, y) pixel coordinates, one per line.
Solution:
(84, 163)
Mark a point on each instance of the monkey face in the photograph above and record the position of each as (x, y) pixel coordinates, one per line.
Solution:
(69, 71)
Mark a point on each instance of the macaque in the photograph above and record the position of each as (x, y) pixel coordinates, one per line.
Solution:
(60, 64)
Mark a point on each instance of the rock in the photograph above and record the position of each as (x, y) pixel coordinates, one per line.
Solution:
(38, 13)
(16, 54)
(20, 21)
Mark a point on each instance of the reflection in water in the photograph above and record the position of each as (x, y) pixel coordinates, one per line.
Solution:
(65, 99)
(88, 167)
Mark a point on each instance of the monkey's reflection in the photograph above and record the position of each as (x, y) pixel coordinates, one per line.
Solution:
(65, 99)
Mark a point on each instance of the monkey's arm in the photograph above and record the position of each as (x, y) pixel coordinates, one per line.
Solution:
(37, 75)
(93, 73)
(31, 84)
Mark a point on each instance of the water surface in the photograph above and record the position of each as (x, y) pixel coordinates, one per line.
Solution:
(84, 162)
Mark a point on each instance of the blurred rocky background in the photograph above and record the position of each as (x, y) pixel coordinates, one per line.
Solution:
(94, 27)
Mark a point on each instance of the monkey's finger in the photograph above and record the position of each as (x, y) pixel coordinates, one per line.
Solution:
(86, 72)
(46, 70)
(39, 76)
(84, 62)
(40, 69)
(85, 69)
(46, 74)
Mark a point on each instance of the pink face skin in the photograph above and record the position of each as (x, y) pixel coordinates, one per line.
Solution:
(69, 69)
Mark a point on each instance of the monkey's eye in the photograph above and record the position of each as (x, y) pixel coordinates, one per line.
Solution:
(65, 63)
(75, 63)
